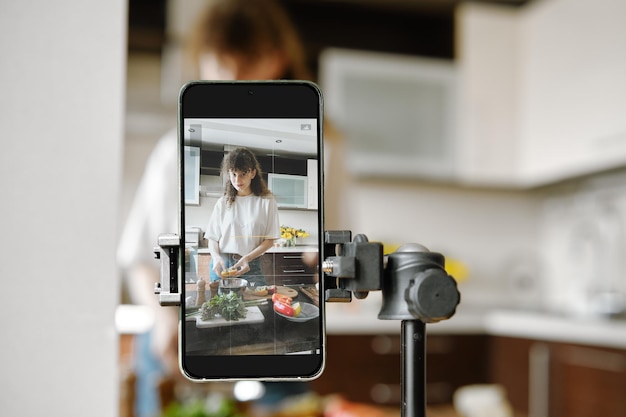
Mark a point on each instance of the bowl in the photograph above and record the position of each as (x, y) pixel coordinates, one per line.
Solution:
(236, 285)
(308, 312)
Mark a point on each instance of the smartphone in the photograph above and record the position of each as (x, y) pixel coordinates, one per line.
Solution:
(252, 228)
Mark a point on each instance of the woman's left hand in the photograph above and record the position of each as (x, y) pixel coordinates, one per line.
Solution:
(242, 267)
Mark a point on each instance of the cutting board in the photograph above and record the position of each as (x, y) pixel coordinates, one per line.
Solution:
(313, 294)
(254, 315)
(289, 292)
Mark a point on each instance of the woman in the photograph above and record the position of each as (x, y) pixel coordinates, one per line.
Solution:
(244, 222)
(233, 40)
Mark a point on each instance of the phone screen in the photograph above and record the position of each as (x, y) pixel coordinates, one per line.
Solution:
(252, 198)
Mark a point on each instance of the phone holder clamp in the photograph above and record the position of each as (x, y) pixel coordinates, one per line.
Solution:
(168, 251)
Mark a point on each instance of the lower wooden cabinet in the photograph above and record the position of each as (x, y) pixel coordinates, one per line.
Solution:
(559, 379)
(367, 368)
(287, 268)
(587, 381)
(280, 268)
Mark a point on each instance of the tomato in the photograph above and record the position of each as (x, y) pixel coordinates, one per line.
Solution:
(282, 298)
(284, 309)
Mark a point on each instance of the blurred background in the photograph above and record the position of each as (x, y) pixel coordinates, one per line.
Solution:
(490, 131)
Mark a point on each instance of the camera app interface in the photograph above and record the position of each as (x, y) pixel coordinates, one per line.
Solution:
(251, 219)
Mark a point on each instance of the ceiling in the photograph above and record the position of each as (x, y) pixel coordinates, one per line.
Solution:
(280, 136)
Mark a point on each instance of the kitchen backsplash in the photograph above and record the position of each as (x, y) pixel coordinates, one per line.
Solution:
(584, 240)
(559, 248)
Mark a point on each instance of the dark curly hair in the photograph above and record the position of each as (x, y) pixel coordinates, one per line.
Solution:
(249, 28)
(242, 160)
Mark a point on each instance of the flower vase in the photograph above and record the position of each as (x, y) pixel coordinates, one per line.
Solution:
(291, 242)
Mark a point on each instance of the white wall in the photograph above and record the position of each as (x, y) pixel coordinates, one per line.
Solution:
(62, 80)
(490, 231)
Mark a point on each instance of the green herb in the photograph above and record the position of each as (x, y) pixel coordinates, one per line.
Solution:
(229, 306)
(191, 311)
(197, 408)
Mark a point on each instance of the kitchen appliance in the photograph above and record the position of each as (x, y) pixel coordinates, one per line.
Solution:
(193, 235)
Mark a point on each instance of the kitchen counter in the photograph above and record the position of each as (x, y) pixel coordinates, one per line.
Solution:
(556, 328)
(287, 249)
(345, 319)
(354, 319)
(278, 249)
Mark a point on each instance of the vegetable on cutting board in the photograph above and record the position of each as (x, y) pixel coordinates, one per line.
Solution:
(230, 306)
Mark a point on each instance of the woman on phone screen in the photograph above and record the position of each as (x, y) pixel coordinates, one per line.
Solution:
(244, 221)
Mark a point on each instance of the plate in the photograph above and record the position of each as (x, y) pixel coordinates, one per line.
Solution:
(308, 312)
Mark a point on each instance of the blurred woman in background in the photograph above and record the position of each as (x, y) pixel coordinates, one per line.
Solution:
(233, 40)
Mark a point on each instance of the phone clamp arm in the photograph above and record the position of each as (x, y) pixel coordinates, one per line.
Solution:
(415, 287)
(168, 252)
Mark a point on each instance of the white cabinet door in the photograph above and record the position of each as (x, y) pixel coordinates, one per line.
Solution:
(542, 91)
(574, 88)
(396, 112)
(488, 69)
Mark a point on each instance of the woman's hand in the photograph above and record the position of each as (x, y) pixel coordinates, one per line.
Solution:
(241, 266)
(218, 265)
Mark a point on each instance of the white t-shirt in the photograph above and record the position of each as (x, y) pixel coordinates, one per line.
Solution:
(241, 227)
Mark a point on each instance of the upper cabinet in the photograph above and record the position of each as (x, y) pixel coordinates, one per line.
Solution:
(396, 112)
(533, 96)
(488, 71)
(542, 91)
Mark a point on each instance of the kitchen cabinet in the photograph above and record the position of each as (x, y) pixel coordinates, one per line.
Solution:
(287, 268)
(508, 366)
(211, 162)
(279, 268)
(487, 67)
(396, 112)
(367, 368)
(192, 175)
(282, 165)
(574, 88)
(559, 379)
(587, 381)
(542, 91)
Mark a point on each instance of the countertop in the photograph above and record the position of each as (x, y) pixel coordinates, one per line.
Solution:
(596, 331)
(352, 318)
(279, 249)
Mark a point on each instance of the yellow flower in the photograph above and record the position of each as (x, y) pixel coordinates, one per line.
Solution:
(291, 232)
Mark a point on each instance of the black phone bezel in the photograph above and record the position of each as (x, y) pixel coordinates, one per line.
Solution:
(252, 99)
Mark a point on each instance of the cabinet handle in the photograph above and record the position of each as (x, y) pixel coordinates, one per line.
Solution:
(292, 257)
(293, 271)
(539, 380)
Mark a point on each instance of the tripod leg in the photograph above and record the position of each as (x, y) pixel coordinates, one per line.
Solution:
(413, 368)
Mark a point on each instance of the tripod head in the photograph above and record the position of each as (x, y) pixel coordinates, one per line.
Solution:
(413, 280)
